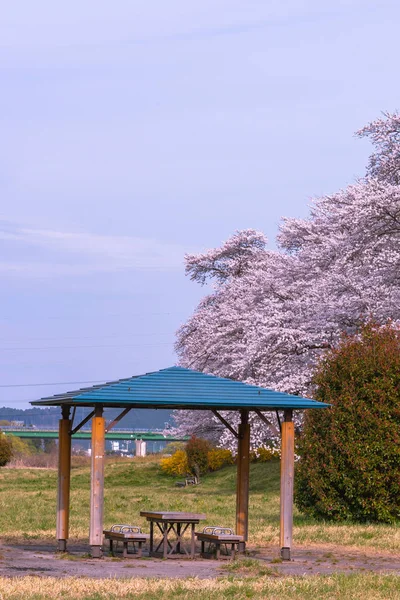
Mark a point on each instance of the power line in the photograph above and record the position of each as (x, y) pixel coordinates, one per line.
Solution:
(83, 347)
(17, 385)
(88, 337)
(85, 316)
(25, 400)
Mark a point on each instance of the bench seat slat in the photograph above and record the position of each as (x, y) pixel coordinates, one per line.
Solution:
(126, 536)
(219, 537)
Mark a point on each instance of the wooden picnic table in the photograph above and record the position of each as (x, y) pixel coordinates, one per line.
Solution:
(172, 526)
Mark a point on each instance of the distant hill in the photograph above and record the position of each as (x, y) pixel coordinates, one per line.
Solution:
(48, 417)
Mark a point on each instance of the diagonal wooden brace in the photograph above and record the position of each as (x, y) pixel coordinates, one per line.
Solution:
(82, 423)
(225, 422)
(263, 418)
(117, 419)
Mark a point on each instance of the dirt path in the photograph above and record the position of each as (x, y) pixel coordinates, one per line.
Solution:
(324, 561)
(42, 560)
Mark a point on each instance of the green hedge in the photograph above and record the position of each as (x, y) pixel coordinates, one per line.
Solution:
(349, 465)
(5, 449)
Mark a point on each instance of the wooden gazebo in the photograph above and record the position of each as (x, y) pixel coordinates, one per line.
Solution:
(182, 389)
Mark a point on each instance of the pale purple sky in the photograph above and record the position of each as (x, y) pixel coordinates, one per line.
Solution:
(133, 132)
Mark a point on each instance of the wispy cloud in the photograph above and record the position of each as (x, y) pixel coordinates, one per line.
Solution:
(49, 252)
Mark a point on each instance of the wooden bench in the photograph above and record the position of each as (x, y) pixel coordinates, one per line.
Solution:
(216, 536)
(127, 534)
(190, 480)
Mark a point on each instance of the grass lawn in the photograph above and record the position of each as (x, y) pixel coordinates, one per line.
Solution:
(28, 504)
(27, 511)
(335, 587)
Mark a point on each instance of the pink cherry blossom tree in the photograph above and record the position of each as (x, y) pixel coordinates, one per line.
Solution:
(384, 163)
(270, 314)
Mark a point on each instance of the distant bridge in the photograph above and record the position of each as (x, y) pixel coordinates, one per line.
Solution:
(85, 434)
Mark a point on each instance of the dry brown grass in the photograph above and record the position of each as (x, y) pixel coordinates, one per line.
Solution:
(335, 587)
(40, 460)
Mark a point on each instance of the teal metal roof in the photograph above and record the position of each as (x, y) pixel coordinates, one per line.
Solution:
(179, 388)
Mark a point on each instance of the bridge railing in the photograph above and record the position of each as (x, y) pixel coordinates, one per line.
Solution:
(51, 429)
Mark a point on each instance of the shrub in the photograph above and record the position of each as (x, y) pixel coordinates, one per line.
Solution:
(197, 451)
(349, 464)
(49, 446)
(172, 447)
(30, 453)
(5, 449)
(35, 445)
(218, 458)
(21, 447)
(265, 453)
(177, 464)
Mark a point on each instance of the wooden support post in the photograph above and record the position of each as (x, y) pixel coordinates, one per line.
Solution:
(151, 537)
(287, 478)
(64, 476)
(97, 483)
(165, 540)
(242, 485)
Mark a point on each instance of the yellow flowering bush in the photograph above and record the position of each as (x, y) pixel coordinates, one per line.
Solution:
(218, 458)
(264, 454)
(177, 464)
